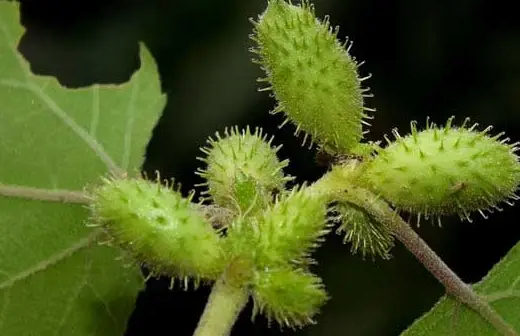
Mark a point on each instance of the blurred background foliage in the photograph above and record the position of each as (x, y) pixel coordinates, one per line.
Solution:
(428, 58)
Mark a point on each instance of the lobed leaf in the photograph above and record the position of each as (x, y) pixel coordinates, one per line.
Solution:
(52, 279)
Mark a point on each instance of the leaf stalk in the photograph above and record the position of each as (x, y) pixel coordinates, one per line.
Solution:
(225, 303)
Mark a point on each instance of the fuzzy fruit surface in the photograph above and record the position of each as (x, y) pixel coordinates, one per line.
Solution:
(289, 296)
(445, 171)
(158, 227)
(242, 170)
(313, 78)
(291, 228)
(366, 235)
(285, 233)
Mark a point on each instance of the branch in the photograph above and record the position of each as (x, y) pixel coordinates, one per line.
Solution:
(339, 185)
(433, 263)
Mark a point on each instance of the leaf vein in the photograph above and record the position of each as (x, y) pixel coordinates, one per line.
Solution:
(129, 126)
(73, 297)
(52, 260)
(7, 299)
(78, 130)
(94, 122)
(501, 295)
(105, 304)
(13, 83)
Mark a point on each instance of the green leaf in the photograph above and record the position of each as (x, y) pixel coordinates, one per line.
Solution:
(53, 281)
(501, 287)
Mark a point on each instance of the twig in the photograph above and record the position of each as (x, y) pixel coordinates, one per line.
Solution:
(339, 185)
(433, 263)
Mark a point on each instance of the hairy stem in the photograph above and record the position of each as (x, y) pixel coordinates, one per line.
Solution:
(39, 194)
(433, 263)
(225, 303)
(454, 286)
(337, 185)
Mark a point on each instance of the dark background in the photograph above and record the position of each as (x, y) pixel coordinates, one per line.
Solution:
(428, 58)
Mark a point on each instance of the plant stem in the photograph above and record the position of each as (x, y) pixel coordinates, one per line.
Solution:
(453, 284)
(225, 302)
(39, 194)
(338, 185)
(433, 263)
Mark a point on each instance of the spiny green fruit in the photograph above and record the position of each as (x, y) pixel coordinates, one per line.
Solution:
(314, 79)
(286, 232)
(292, 297)
(242, 170)
(240, 246)
(158, 227)
(445, 170)
(365, 234)
(290, 229)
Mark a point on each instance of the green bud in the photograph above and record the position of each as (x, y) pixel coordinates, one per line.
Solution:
(157, 227)
(292, 297)
(445, 170)
(311, 74)
(242, 170)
